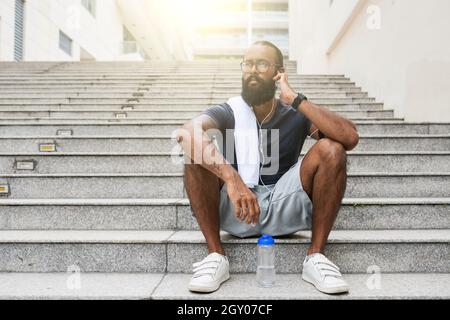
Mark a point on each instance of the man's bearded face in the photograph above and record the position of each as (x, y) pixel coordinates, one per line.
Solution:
(256, 91)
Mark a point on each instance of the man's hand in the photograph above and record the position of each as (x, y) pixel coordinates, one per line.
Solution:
(244, 200)
(287, 94)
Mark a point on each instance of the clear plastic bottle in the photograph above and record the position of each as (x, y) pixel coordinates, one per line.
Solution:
(265, 273)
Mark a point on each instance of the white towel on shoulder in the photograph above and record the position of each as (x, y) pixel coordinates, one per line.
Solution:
(246, 141)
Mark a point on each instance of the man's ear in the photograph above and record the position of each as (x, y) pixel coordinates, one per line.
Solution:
(281, 69)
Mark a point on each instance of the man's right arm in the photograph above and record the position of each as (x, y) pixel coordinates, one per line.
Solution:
(200, 149)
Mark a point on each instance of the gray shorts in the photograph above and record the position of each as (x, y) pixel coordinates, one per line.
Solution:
(285, 208)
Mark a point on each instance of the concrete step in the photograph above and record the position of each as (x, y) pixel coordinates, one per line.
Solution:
(162, 88)
(126, 65)
(18, 161)
(155, 77)
(148, 63)
(402, 286)
(128, 121)
(170, 185)
(184, 78)
(392, 251)
(157, 100)
(143, 67)
(151, 90)
(138, 65)
(230, 85)
(132, 70)
(94, 286)
(231, 69)
(161, 66)
(179, 101)
(157, 114)
(51, 128)
(159, 84)
(185, 106)
(176, 214)
(145, 286)
(153, 143)
(170, 72)
(143, 92)
(161, 106)
(154, 95)
(120, 118)
(179, 89)
(149, 74)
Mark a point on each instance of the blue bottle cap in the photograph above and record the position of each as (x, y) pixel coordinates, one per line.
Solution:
(266, 240)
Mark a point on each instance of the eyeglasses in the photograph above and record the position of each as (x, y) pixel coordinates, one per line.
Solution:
(262, 66)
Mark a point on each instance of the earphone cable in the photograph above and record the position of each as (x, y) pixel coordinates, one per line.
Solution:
(261, 145)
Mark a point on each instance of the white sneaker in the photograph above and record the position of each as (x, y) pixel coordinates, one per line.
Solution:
(323, 274)
(210, 273)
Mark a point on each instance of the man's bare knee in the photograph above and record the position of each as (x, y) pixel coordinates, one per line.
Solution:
(332, 152)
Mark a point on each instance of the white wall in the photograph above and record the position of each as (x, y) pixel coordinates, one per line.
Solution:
(6, 30)
(398, 51)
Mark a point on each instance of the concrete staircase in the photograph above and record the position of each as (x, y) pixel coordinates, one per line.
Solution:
(91, 182)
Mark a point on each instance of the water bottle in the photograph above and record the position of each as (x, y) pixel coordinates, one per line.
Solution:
(265, 273)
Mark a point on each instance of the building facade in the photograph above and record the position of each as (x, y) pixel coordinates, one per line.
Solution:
(238, 23)
(74, 30)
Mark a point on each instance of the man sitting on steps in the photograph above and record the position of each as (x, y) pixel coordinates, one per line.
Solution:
(302, 194)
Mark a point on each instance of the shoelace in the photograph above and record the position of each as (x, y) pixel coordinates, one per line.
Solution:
(206, 267)
(326, 267)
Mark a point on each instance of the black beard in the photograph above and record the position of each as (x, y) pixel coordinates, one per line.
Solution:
(258, 95)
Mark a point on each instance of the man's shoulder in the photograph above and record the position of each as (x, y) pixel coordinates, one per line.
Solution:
(222, 113)
(223, 107)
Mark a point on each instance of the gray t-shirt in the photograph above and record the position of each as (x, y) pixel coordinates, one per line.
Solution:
(293, 128)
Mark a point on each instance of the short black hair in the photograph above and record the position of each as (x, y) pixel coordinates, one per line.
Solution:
(277, 50)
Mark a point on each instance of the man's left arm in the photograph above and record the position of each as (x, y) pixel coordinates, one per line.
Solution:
(331, 124)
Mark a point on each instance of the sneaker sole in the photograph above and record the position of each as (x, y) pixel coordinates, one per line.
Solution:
(334, 290)
(209, 289)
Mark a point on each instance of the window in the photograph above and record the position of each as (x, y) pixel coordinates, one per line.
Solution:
(18, 30)
(90, 6)
(65, 43)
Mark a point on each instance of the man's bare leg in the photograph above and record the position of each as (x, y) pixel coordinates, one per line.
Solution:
(203, 190)
(324, 178)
